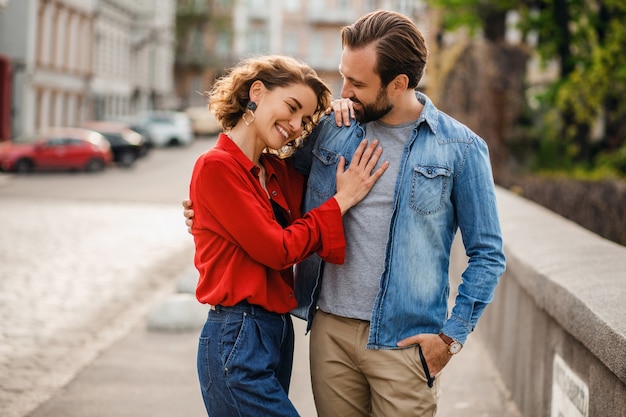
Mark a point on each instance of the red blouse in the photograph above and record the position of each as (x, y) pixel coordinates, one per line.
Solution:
(242, 252)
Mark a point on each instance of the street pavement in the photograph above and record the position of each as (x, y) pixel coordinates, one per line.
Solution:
(152, 374)
(75, 276)
(82, 284)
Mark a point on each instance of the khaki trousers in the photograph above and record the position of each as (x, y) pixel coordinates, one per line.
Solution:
(351, 381)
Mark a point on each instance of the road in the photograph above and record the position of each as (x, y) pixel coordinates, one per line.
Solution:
(162, 177)
(82, 259)
(82, 256)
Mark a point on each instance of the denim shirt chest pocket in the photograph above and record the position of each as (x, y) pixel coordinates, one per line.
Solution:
(430, 186)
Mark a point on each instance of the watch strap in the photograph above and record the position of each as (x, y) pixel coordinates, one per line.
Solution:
(446, 339)
(454, 347)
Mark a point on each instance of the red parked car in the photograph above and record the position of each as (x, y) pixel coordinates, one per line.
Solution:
(57, 148)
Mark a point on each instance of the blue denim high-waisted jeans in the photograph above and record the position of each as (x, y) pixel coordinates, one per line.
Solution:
(245, 357)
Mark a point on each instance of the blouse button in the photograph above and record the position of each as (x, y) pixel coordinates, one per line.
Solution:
(274, 193)
(290, 295)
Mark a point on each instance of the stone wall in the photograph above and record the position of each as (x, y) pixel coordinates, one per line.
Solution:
(595, 205)
(562, 297)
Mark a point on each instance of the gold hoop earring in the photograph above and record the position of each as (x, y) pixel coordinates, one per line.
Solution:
(252, 118)
(251, 107)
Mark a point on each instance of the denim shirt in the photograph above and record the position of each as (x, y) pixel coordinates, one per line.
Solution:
(444, 184)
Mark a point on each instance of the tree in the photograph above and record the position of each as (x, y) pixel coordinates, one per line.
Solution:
(584, 109)
(488, 16)
(480, 81)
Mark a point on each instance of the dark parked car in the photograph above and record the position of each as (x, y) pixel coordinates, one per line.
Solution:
(127, 145)
(56, 149)
(145, 133)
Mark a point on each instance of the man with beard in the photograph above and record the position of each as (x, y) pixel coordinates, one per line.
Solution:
(381, 332)
(380, 328)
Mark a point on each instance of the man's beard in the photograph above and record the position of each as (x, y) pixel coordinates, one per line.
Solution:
(374, 111)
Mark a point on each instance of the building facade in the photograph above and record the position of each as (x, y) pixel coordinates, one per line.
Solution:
(307, 30)
(75, 60)
(133, 65)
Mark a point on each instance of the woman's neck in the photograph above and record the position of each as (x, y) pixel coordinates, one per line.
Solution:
(241, 136)
(247, 146)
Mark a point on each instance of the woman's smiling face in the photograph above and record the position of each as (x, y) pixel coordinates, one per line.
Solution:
(283, 112)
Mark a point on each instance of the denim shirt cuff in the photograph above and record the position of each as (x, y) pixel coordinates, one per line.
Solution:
(457, 329)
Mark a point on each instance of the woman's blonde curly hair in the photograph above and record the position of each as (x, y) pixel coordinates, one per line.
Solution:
(230, 94)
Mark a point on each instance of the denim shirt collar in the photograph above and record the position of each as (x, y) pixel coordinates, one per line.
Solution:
(430, 114)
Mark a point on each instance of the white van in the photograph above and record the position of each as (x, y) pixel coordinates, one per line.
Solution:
(167, 128)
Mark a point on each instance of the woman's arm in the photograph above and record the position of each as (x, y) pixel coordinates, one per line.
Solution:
(228, 203)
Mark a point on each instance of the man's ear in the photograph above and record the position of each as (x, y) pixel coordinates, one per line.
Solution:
(399, 84)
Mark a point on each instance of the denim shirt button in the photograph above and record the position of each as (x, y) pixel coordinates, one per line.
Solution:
(359, 134)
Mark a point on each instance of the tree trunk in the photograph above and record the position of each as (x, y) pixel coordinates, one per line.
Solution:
(484, 89)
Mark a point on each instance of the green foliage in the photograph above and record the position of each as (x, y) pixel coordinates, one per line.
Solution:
(588, 40)
(593, 74)
(470, 13)
(614, 162)
(459, 13)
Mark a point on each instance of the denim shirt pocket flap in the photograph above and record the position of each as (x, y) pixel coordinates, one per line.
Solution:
(430, 171)
(326, 156)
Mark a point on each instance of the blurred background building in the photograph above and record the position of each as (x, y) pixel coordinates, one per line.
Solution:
(73, 60)
(215, 34)
(66, 61)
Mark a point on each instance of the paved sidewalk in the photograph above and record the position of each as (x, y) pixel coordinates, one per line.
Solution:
(75, 278)
(152, 374)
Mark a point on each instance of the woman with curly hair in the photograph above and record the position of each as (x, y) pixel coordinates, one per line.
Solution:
(249, 231)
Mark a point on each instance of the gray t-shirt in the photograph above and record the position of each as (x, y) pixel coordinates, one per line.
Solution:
(349, 290)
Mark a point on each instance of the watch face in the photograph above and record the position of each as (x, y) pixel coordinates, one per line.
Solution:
(455, 347)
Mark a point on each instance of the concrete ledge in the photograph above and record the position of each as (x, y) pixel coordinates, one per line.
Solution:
(564, 293)
(573, 274)
(177, 312)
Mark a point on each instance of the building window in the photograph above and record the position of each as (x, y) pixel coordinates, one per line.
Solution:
(317, 47)
(405, 7)
(343, 5)
(258, 42)
(225, 5)
(292, 6)
(222, 44)
(291, 43)
(197, 91)
(258, 4)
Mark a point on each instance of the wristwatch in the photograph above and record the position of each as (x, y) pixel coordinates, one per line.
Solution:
(453, 346)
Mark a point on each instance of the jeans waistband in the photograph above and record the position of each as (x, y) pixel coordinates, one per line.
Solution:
(244, 307)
